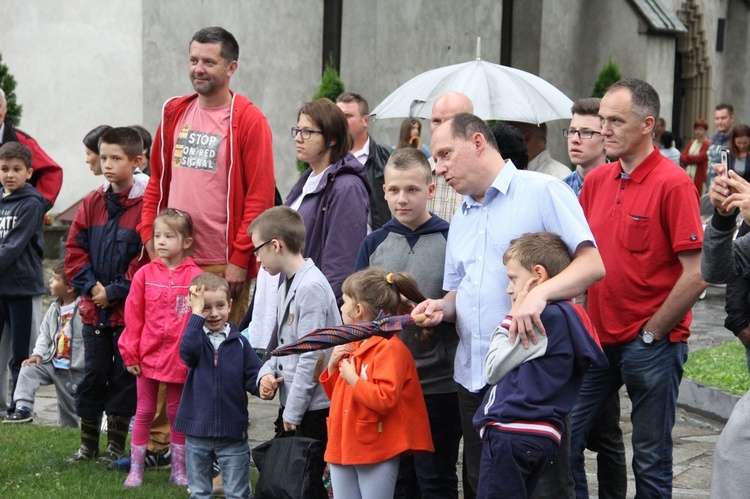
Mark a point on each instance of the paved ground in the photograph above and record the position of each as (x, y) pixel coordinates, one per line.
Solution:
(694, 436)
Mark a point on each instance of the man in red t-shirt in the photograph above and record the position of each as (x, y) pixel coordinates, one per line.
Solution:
(212, 157)
(643, 212)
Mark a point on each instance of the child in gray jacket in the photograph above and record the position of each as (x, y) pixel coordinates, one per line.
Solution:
(57, 357)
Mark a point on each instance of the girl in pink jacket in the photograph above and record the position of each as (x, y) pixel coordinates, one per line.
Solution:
(156, 313)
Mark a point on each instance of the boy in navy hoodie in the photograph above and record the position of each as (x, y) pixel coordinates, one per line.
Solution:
(21, 249)
(414, 241)
(521, 417)
(222, 367)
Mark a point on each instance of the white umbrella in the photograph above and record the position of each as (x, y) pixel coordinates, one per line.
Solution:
(497, 92)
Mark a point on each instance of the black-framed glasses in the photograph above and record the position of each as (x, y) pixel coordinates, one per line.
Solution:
(305, 133)
(584, 134)
(257, 250)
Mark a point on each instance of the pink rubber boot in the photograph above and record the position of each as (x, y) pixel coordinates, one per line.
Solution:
(178, 476)
(135, 477)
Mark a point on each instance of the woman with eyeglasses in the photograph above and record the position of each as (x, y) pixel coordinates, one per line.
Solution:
(332, 195)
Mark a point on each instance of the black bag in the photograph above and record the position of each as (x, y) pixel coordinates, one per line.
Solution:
(290, 468)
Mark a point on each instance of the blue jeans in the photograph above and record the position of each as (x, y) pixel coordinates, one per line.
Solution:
(513, 463)
(234, 461)
(651, 374)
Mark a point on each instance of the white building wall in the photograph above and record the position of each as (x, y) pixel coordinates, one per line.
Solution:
(77, 65)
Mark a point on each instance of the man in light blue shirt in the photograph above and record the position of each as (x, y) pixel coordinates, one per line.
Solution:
(501, 204)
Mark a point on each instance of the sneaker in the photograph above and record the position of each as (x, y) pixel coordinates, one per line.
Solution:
(120, 465)
(153, 461)
(82, 454)
(156, 461)
(21, 415)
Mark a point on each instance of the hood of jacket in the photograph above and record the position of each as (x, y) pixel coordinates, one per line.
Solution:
(348, 165)
(26, 191)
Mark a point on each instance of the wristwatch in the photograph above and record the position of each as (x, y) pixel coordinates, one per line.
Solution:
(647, 337)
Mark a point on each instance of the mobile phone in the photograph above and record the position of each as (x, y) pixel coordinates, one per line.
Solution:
(724, 161)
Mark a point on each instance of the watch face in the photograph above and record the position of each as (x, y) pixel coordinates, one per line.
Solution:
(648, 337)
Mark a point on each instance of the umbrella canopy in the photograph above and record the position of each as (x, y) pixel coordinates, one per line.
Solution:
(497, 92)
(328, 337)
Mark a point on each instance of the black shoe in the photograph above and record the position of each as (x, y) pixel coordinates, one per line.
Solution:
(155, 461)
(21, 415)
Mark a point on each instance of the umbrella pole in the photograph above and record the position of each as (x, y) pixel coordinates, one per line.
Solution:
(479, 47)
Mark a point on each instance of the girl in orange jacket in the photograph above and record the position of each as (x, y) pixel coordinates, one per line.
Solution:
(377, 408)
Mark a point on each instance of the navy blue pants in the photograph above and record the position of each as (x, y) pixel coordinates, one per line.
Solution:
(17, 313)
(107, 385)
(432, 475)
(512, 463)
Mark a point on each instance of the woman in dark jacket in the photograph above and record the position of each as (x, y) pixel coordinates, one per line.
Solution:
(332, 195)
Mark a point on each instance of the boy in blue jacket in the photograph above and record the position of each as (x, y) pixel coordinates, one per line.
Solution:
(21, 247)
(222, 367)
(521, 417)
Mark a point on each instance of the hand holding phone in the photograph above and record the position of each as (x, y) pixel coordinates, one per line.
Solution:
(724, 161)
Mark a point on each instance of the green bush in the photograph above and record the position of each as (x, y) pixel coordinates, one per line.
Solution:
(609, 74)
(723, 367)
(8, 84)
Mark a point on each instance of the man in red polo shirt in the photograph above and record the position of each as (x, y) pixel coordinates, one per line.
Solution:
(643, 212)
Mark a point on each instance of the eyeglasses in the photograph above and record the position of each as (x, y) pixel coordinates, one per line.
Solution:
(257, 250)
(305, 133)
(584, 134)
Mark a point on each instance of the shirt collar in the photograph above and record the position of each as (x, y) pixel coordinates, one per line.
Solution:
(2, 131)
(364, 152)
(224, 332)
(500, 185)
(641, 171)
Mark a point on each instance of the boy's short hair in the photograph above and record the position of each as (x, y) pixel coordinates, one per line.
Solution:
(59, 270)
(212, 282)
(410, 159)
(588, 106)
(539, 248)
(282, 223)
(16, 150)
(128, 139)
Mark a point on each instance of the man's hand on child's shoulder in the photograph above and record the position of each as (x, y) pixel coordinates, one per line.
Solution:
(34, 359)
(527, 313)
(196, 299)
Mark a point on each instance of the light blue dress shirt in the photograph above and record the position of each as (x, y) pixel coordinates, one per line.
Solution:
(518, 202)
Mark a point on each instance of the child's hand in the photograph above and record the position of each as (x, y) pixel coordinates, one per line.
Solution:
(135, 370)
(34, 359)
(348, 371)
(339, 352)
(196, 299)
(268, 385)
(289, 426)
(99, 295)
(523, 294)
